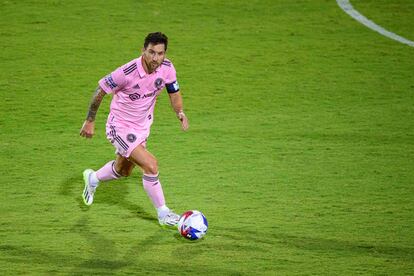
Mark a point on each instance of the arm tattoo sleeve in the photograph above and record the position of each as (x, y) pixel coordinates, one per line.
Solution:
(95, 103)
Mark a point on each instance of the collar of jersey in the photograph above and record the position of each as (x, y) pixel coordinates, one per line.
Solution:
(141, 70)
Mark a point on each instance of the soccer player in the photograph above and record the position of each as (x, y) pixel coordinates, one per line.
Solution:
(135, 87)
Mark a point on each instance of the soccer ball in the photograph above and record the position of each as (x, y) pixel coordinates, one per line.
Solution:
(192, 225)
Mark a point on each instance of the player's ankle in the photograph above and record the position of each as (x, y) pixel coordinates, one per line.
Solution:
(93, 180)
(162, 211)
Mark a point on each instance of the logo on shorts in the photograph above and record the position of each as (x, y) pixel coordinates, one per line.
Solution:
(158, 83)
(131, 138)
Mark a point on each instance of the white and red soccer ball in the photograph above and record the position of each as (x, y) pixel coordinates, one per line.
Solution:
(192, 225)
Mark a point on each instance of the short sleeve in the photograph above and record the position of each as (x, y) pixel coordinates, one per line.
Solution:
(113, 82)
(171, 82)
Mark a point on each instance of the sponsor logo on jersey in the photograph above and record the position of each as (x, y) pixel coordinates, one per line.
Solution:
(151, 94)
(136, 96)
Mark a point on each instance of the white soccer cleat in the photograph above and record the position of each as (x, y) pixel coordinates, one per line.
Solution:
(88, 191)
(170, 219)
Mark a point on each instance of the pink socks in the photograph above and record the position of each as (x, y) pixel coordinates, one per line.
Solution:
(107, 172)
(153, 187)
(151, 183)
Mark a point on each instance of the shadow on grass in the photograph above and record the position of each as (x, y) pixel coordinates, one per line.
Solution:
(103, 252)
(101, 256)
(105, 259)
(256, 240)
(68, 185)
(98, 255)
(115, 193)
(25, 255)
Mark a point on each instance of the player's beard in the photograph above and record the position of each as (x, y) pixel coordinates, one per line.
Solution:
(152, 65)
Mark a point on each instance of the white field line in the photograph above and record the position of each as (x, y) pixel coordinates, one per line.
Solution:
(349, 9)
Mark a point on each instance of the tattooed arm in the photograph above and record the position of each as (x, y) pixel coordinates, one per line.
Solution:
(88, 128)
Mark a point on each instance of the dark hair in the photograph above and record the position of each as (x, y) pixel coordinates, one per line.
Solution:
(156, 38)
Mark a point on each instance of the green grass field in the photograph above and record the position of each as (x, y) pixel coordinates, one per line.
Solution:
(300, 151)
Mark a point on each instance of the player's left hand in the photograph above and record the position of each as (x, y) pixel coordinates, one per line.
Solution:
(184, 120)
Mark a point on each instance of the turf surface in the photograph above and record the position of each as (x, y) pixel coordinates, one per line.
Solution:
(300, 151)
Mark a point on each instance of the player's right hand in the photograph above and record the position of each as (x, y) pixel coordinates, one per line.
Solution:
(88, 129)
(184, 120)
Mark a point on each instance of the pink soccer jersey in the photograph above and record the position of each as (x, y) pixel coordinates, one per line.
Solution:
(135, 93)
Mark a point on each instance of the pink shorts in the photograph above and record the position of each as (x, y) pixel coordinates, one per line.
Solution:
(125, 140)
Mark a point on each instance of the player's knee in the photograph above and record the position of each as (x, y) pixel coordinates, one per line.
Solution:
(123, 170)
(152, 167)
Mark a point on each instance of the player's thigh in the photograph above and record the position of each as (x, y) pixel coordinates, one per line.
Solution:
(123, 166)
(143, 158)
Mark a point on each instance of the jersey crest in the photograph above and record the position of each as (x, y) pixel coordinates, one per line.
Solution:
(158, 83)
